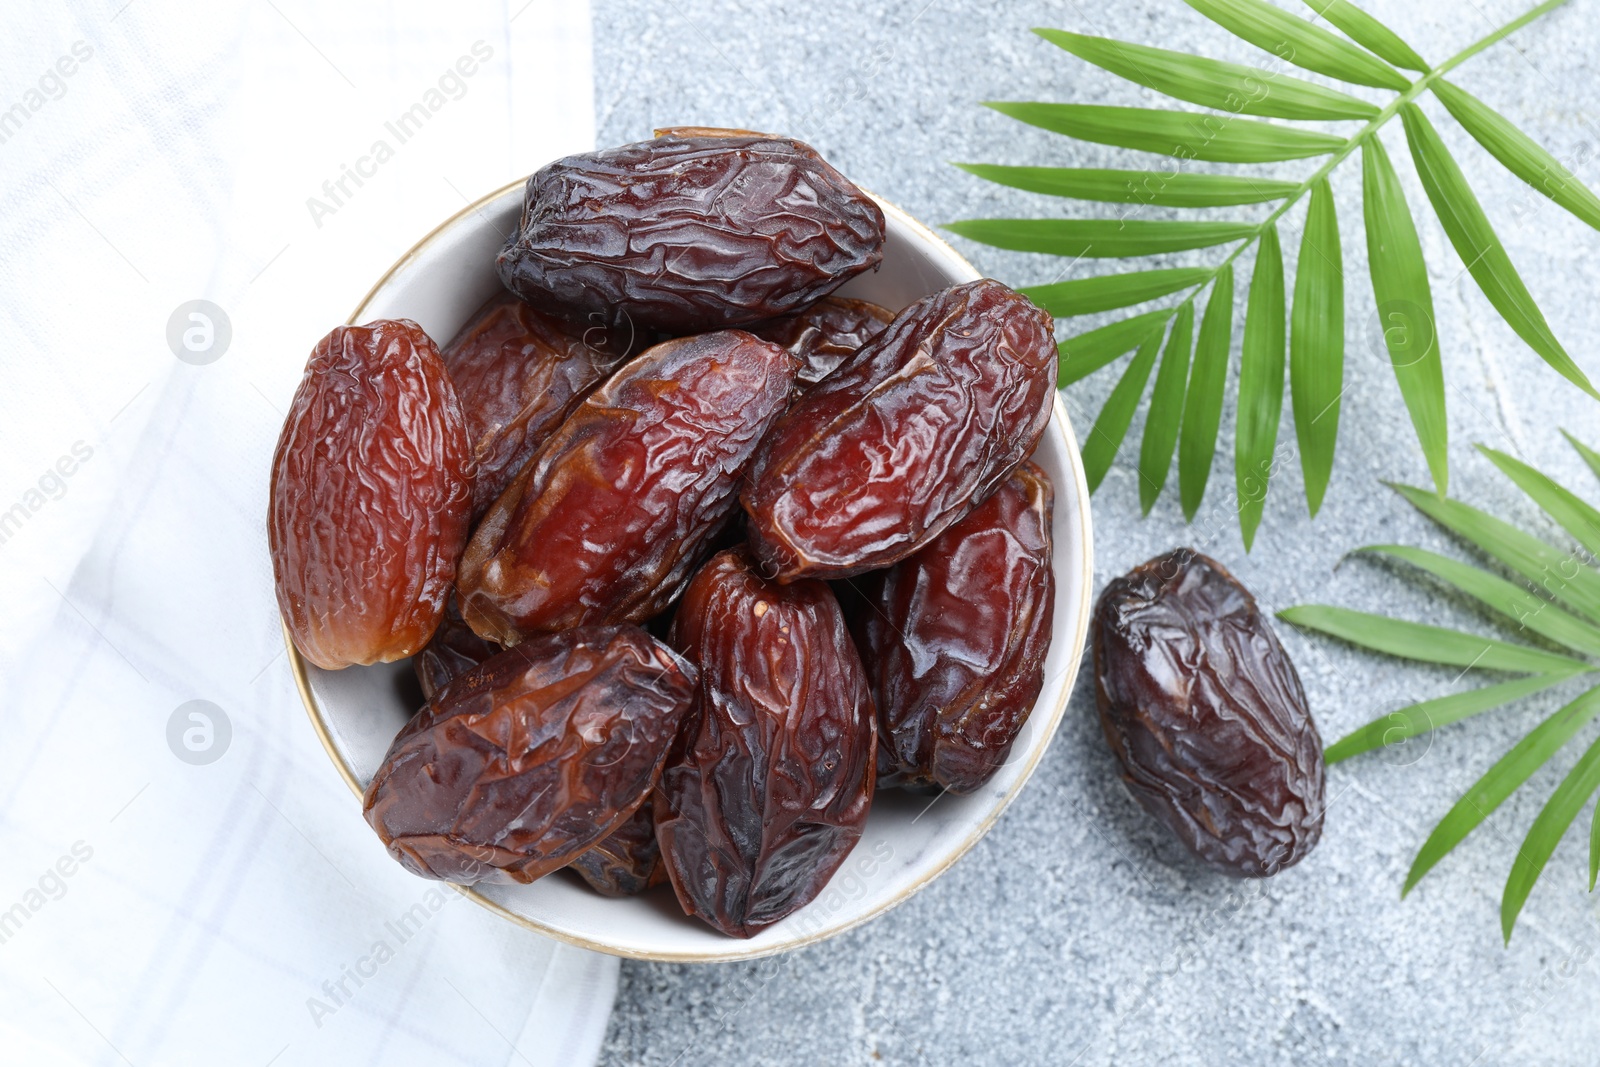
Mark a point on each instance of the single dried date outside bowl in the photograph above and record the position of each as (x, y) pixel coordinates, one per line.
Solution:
(609, 519)
(954, 640)
(529, 759)
(518, 373)
(694, 230)
(1204, 710)
(371, 488)
(906, 437)
(769, 782)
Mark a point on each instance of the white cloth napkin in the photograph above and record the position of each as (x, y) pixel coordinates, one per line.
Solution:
(192, 883)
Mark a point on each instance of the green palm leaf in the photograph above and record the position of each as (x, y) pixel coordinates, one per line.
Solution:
(1103, 442)
(1554, 819)
(1166, 409)
(1260, 385)
(1099, 238)
(1590, 456)
(1405, 306)
(1299, 42)
(1521, 154)
(1086, 353)
(1202, 406)
(1369, 33)
(1185, 134)
(1428, 644)
(1085, 296)
(1419, 718)
(1575, 516)
(1316, 343)
(1162, 189)
(1212, 83)
(1475, 241)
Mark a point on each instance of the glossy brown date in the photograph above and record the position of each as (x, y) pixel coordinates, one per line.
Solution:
(826, 334)
(371, 488)
(531, 758)
(907, 436)
(454, 650)
(954, 639)
(768, 784)
(628, 862)
(1204, 710)
(518, 373)
(695, 230)
(608, 520)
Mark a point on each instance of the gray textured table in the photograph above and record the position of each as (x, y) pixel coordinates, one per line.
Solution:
(1077, 931)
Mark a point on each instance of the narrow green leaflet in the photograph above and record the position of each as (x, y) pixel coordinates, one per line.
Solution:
(1427, 644)
(1316, 343)
(1520, 604)
(1086, 353)
(1297, 41)
(1475, 242)
(1186, 134)
(1501, 780)
(1369, 33)
(1100, 238)
(1260, 385)
(1166, 409)
(1522, 155)
(1395, 727)
(1560, 574)
(1575, 516)
(1105, 439)
(1212, 83)
(1594, 846)
(1085, 296)
(1546, 832)
(1161, 188)
(1405, 306)
(1202, 405)
(1590, 456)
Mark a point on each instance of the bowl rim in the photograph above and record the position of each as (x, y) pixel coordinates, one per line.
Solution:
(741, 950)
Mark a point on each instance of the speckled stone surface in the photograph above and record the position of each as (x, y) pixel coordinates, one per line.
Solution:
(1077, 931)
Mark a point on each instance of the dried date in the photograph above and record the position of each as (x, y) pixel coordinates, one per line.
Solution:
(454, 650)
(518, 373)
(608, 520)
(769, 782)
(1205, 713)
(528, 760)
(907, 436)
(629, 861)
(826, 334)
(695, 230)
(954, 640)
(371, 488)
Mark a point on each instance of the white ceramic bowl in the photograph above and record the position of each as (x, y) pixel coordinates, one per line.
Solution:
(909, 840)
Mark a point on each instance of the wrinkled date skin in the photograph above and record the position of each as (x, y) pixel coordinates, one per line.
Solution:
(608, 520)
(454, 650)
(768, 785)
(526, 761)
(695, 230)
(371, 489)
(907, 436)
(954, 640)
(1204, 710)
(628, 862)
(518, 373)
(826, 334)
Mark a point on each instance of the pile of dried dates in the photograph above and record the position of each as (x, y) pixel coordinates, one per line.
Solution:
(689, 554)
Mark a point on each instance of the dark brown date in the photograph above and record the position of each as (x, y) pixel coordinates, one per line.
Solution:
(608, 520)
(907, 436)
(954, 640)
(628, 862)
(454, 650)
(768, 784)
(531, 758)
(371, 489)
(695, 230)
(1204, 710)
(826, 334)
(518, 373)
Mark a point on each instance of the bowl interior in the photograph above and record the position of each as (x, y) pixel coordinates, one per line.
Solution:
(908, 839)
